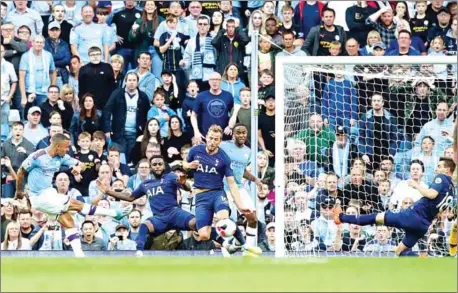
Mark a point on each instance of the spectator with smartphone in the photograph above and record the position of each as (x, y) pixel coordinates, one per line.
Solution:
(120, 240)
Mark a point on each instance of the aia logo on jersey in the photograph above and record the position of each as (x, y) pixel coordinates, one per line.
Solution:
(154, 191)
(207, 169)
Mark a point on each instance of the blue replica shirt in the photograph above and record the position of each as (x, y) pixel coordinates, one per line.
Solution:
(213, 109)
(41, 168)
(161, 193)
(85, 36)
(212, 168)
(429, 208)
(240, 159)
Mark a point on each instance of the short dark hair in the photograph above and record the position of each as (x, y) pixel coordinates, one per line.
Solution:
(4, 4)
(388, 158)
(271, 19)
(203, 16)
(114, 149)
(157, 157)
(53, 86)
(116, 180)
(16, 123)
(240, 125)
(26, 27)
(102, 11)
(76, 57)
(136, 210)
(428, 137)
(419, 162)
(449, 163)
(326, 8)
(230, 20)
(288, 32)
(405, 32)
(87, 222)
(94, 49)
(24, 211)
(132, 73)
(145, 53)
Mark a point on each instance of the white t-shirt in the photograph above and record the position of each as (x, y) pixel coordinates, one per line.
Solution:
(402, 191)
(8, 76)
(12, 245)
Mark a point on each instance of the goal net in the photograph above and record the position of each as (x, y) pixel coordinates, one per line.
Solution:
(350, 131)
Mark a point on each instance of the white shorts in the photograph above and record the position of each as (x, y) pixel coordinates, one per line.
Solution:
(50, 202)
(245, 198)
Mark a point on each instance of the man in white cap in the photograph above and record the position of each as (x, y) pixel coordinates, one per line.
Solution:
(33, 130)
(60, 51)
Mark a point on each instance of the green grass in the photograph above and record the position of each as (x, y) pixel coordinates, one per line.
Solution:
(236, 274)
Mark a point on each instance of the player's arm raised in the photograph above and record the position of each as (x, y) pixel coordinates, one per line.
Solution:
(21, 175)
(426, 192)
(125, 195)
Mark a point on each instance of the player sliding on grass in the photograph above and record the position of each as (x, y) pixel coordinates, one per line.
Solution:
(162, 195)
(211, 165)
(40, 167)
(416, 220)
(240, 156)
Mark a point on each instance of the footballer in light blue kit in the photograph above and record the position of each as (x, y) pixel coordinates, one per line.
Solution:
(240, 156)
(211, 165)
(40, 166)
(162, 196)
(416, 220)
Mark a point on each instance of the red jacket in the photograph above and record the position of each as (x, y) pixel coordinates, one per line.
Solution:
(301, 7)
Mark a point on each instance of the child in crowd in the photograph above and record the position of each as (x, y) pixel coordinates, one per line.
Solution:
(335, 48)
(161, 112)
(267, 86)
(437, 49)
(188, 105)
(90, 159)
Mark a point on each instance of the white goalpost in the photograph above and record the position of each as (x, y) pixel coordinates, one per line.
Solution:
(317, 97)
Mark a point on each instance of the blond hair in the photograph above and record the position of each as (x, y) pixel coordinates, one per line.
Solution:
(372, 34)
(216, 128)
(117, 58)
(7, 236)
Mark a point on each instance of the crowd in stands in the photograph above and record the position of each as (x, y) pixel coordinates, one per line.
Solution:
(127, 80)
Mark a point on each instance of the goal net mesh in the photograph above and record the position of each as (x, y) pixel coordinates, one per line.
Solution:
(352, 135)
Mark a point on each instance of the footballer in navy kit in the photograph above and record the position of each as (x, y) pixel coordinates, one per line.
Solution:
(162, 195)
(211, 165)
(416, 220)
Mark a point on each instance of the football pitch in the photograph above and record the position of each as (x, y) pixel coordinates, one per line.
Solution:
(214, 274)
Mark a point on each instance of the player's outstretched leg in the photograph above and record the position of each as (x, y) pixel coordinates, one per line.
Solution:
(71, 233)
(87, 209)
(361, 220)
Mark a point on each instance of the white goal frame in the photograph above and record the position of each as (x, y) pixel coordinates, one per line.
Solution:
(280, 63)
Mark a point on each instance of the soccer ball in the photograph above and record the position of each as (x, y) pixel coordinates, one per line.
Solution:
(226, 228)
